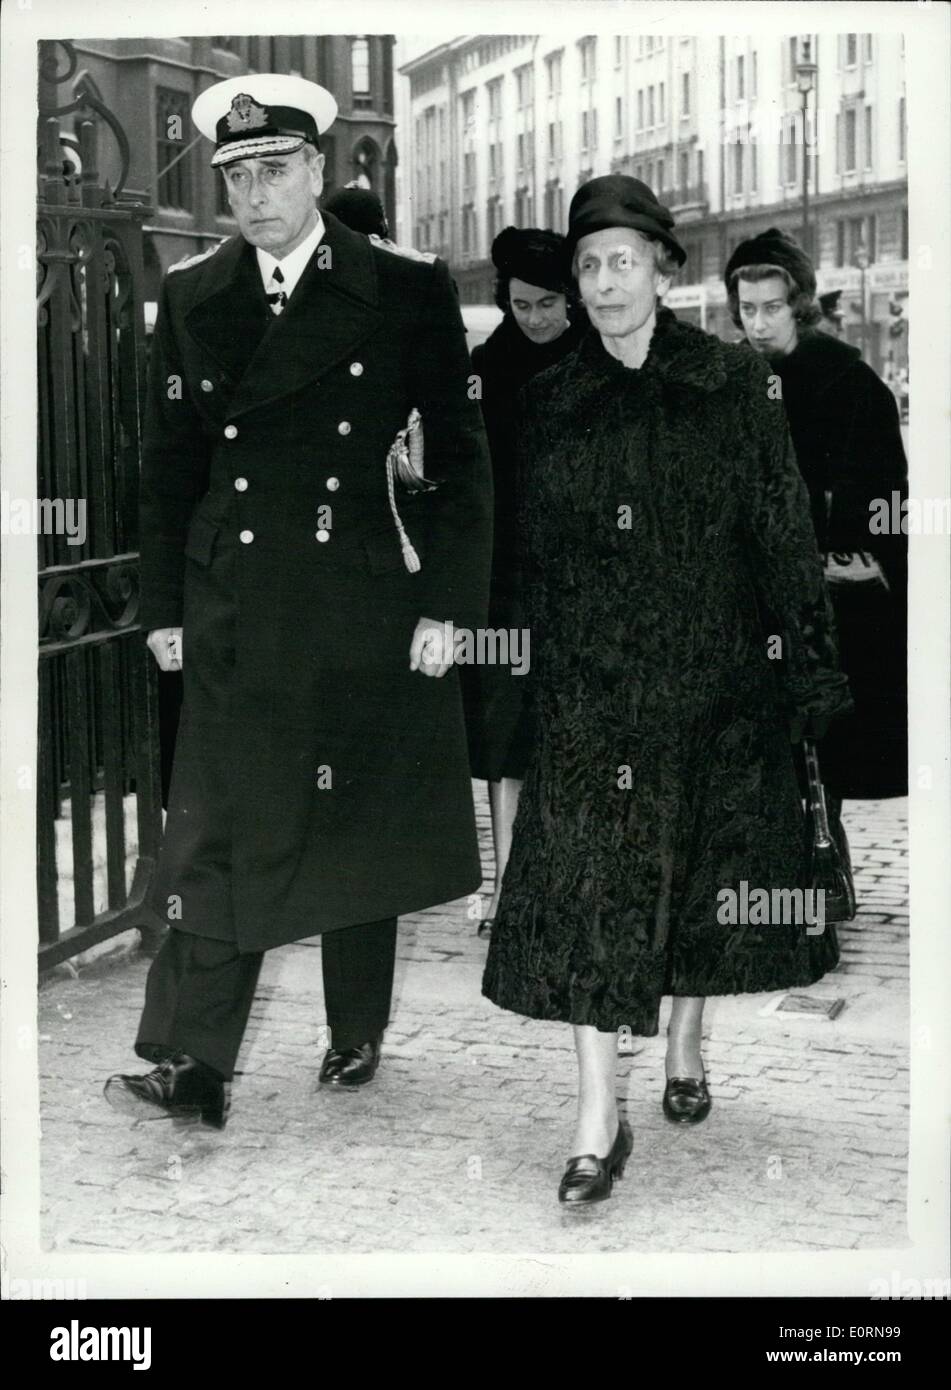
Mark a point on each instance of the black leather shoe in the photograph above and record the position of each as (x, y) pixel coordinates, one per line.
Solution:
(590, 1179)
(686, 1100)
(179, 1088)
(353, 1066)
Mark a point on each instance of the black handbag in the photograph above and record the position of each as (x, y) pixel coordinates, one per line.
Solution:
(829, 864)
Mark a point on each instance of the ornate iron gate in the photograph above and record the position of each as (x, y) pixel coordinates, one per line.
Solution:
(98, 773)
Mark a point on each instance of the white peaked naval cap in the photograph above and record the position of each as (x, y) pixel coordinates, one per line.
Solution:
(262, 113)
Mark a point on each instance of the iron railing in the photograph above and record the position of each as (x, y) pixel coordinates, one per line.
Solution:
(98, 763)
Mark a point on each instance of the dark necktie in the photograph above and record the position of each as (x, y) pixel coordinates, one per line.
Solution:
(278, 299)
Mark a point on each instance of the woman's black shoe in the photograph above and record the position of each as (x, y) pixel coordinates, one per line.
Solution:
(485, 926)
(686, 1100)
(590, 1179)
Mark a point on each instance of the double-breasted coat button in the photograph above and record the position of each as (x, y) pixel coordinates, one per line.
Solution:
(240, 484)
(246, 537)
(231, 431)
(323, 535)
(356, 369)
(332, 484)
(206, 385)
(343, 427)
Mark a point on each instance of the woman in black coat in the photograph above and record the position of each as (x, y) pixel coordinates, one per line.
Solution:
(539, 328)
(663, 517)
(845, 429)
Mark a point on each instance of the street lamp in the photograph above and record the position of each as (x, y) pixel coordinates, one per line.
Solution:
(861, 260)
(806, 71)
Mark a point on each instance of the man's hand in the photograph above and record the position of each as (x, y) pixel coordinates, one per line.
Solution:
(431, 648)
(165, 644)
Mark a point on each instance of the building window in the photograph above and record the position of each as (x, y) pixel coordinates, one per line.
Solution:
(868, 137)
(754, 164)
(588, 59)
(685, 94)
(523, 207)
(660, 175)
(700, 172)
(661, 104)
(618, 50)
(650, 107)
(495, 99)
(554, 206)
(640, 109)
(589, 130)
(850, 140)
(868, 48)
(740, 93)
(904, 234)
(793, 58)
(854, 234)
(902, 132)
(524, 87)
(173, 165)
(553, 72)
(493, 218)
(792, 157)
(684, 170)
(360, 72)
(851, 50)
(618, 117)
(738, 167)
(296, 58)
(754, 82)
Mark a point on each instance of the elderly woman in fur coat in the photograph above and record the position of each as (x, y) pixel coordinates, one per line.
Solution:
(682, 641)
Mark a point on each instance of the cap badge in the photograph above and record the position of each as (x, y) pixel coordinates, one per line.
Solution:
(245, 114)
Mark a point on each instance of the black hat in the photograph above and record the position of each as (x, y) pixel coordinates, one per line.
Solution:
(773, 247)
(829, 304)
(359, 209)
(532, 255)
(617, 200)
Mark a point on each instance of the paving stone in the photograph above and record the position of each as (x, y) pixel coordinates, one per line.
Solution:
(459, 1143)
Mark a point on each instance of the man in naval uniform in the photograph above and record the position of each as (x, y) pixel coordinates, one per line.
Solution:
(321, 782)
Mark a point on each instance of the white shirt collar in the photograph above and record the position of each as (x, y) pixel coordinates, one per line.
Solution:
(294, 264)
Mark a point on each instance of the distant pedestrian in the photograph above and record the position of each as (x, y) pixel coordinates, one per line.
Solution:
(361, 210)
(845, 430)
(542, 323)
(662, 514)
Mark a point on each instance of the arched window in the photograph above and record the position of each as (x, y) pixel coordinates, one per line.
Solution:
(360, 71)
(366, 159)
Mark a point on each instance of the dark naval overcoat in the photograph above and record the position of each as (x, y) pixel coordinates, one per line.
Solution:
(318, 782)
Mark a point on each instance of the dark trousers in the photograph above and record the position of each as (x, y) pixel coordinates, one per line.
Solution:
(199, 993)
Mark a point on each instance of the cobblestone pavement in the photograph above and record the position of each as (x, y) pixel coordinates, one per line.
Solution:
(459, 1143)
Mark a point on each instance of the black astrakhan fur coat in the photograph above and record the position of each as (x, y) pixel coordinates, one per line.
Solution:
(680, 624)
